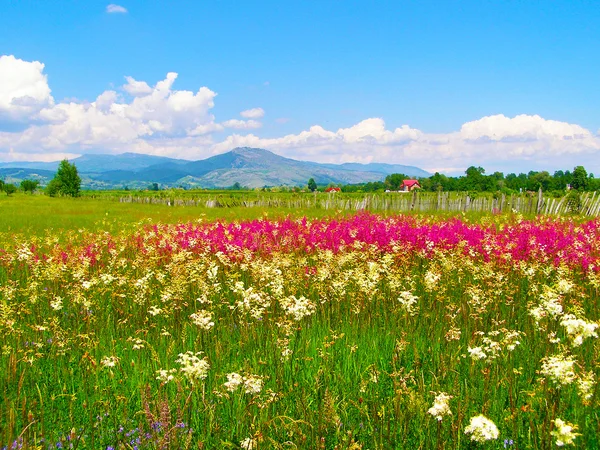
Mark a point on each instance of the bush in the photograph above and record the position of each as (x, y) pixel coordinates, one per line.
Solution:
(574, 202)
(9, 189)
(29, 185)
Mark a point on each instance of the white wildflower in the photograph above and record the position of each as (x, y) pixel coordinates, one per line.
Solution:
(578, 329)
(24, 253)
(109, 361)
(559, 369)
(138, 344)
(482, 429)
(192, 367)
(552, 338)
(154, 310)
(431, 279)
(248, 444)
(564, 432)
(203, 319)
(476, 353)
(298, 308)
(234, 380)
(165, 375)
(585, 385)
(253, 384)
(564, 286)
(440, 406)
(408, 301)
(56, 304)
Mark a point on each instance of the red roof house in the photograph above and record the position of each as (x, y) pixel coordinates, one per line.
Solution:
(333, 189)
(409, 185)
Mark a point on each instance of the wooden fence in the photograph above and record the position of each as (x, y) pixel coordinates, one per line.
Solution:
(587, 204)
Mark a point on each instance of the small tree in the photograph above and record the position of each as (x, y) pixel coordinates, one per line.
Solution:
(29, 185)
(9, 188)
(580, 178)
(312, 185)
(66, 181)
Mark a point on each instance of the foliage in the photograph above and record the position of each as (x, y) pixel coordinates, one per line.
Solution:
(475, 180)
(574, 202)
(54, 187)
(9, 188)
(312, 185)
(580, 178)
(394, 181)
(66, 182)
(29, 185)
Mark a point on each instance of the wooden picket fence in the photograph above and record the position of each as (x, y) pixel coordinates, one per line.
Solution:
(588, 203)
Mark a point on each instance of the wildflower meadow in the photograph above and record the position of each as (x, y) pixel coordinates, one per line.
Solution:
(350, 332)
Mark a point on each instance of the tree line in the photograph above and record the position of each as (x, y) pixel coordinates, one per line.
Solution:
(476, 180)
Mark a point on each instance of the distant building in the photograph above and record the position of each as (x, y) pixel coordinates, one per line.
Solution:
(333, 189)
(409, 185)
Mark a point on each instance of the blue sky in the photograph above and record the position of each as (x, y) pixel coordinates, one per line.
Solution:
(510, 86)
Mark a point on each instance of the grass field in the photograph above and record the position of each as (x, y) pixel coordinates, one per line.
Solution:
(34, 214)
(334, 332)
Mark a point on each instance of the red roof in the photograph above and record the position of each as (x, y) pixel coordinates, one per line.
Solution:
(333, 189)
(410, 183)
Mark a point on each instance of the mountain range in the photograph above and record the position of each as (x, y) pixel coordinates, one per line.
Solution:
(249, 167)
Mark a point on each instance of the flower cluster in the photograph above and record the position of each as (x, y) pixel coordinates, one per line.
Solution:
(482, 429)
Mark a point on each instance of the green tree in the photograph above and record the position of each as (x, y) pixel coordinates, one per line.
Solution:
(9, 188)
(580, 178)
(29, 185)
(312, 185)
(394, 181)
(1, 185)
(66, 181)
(54, 187)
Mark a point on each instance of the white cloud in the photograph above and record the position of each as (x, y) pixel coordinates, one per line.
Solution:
(494, 141)
(24, 89)
(242, 124)
(116, 9)
(254, 113)
(11, 156)
(282, 120)
(113, 124)
(522, 128)
(136, 88)
(162, 120)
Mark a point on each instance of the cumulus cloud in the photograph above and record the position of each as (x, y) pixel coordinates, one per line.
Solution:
(254, 113)
(116, 9)
(24, 89)
(110, 122)
(494, 142)
(136, 88)
(160, 119)
(242, 124)
(520, 128)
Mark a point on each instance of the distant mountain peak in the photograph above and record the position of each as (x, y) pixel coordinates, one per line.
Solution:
(248, 166)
